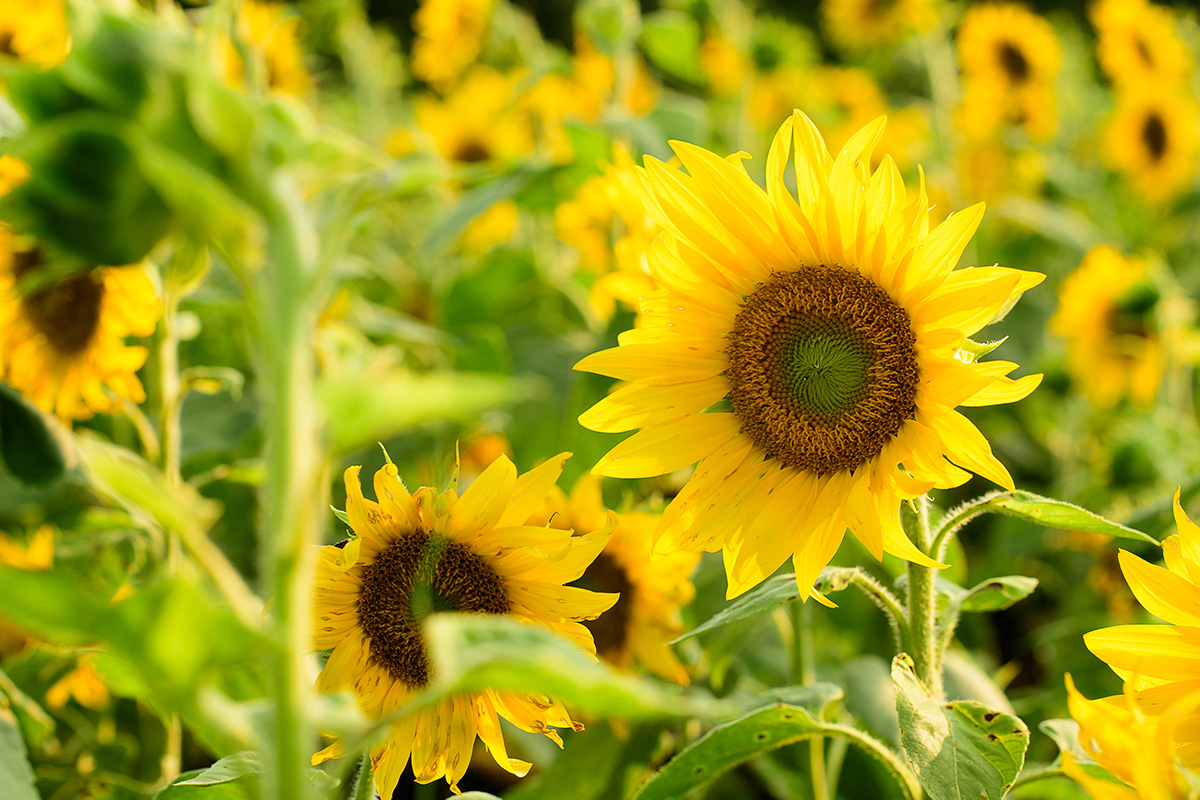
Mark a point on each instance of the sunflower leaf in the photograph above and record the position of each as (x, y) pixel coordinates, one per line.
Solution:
(28, 443)
(961, 749)
(16, 776)
(767, 595)
(1056, 514)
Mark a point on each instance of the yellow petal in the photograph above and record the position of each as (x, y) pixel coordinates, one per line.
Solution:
(666, 448)
(1165, 652)
(968, 448)
(482, 505)
(636, 405)
(678, 361)
(1160, 591)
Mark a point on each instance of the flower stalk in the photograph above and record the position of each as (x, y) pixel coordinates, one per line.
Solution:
(922, 609)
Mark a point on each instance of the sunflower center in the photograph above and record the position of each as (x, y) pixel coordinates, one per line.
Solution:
(822, 368)
(471, 151)
(1154, 135)
(1014, 62)
(66, 313)
(7, 46)
(413, 578)
(611, 629)
(1133, 312)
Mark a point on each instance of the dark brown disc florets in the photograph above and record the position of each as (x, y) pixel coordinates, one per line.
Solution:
(67, 313)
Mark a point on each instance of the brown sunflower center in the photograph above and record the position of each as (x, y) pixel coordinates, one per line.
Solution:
(1014, 62)
(1154, 136)
(66, 313)
(611, 629)
(411, 579)
(8, 43)
(471, 151)
(822, 368)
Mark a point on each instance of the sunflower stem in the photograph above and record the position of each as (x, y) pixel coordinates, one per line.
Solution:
(364, 786)
(804, 672)
(922, 609)
(171, 399)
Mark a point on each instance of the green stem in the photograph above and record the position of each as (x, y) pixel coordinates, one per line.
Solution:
(922, 610)
(804, 672)
(364, 785)
(170, 393)
(956, 519)
(896, 614)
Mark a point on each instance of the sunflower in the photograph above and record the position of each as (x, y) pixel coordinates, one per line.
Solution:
(652, 589)
(271, 36)
(1152, 140)
(449, 35)
(416, 554)
(595, 75)
(61, 344)
(610, 227)
(802, 349)
(1009, 58)
(725, 65)
(858, 25)
(34, 31)
(1107, 313)
(1137, 44)
(479, 121)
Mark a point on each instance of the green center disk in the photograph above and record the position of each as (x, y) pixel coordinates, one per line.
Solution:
(825, 370)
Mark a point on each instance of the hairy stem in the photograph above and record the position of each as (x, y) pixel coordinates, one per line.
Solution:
(922, 610)
(804, 672)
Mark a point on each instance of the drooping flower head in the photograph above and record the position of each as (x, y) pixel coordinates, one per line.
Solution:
(414, 554)
(652, 589)
(807, 352)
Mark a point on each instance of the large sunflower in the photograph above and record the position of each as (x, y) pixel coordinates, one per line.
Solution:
(808, 352)
(34, 31)
(416, 554)
(652, 589)
(1153, 141)
(62, 344)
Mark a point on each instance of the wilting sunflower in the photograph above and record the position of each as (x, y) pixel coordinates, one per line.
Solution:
(1107, 313)
(652, 588)
(807, 351)
(1009, 58)
(426, 552)
(61, 344)
(478, 121)
(449, 36)
(1136, 745)
(34, 31)
(1137, 44)
(272, 40)
(858, 25)
(1152, 139)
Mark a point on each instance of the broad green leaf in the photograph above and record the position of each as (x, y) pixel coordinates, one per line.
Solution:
(595, 766)
(31, 450)
(994, 594)
(229, 768)
(726, 746)
(671, 41)
(16, 776)
(365, 407)
(1057, 514)
(240, 789)
(960, 749)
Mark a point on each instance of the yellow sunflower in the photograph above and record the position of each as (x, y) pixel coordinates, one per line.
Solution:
(478, 121)
(807, 351)
(608, 224)
(34, 31)
(652, 588)
(426, 552)
(449, 35)
(858, 25)
(1010, 58)
(62, 344)
(1107, 314)
(595, 75)
(1153, 140)
(272, 37)
(1137, 44)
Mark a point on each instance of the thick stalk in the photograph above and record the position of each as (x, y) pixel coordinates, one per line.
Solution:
(922, 609)
(804, 672)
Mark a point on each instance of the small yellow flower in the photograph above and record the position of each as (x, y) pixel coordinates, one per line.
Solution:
(271, 35)
(34, 31)
(1153, 140)
(496, 225)
(1107, 313)
(479, 121)
(449, 35)
(724, 64)
(416, 554)
(83, 684)
(595, 74)
(858, 25)
(36, 556)
(1137, 44)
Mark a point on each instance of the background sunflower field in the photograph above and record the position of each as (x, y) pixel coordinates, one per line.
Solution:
(323, 323)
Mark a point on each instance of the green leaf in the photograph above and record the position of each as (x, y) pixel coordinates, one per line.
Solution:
(1056, 514)
(595, 766)
(994, 594)
(183, 789)
(976, 350)
(16, 776)
(733, 743)
(473, 203)
(671, 41)
(30, 448)
(960, 749)
(229, 768)
(36, 724)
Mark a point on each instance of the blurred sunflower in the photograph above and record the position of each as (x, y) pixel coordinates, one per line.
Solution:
(34, 31)
(1152, 139)
(1009, 58)
(1137, 44)
(449, 35)
(62, 344)
(859, 25)
(1107, 314)
(652, 588)
(271, 36)
(414, 555)
(1135, 744)
(479, 121)
(845, 99)
(595, 76)
(725, 65)
(823, 334)
(608, 224)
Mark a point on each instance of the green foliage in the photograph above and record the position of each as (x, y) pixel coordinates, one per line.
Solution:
(31, 449)
(16, 776)
(1052, 513)
(671, 40)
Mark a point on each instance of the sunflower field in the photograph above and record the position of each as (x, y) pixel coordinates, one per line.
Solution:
(706, 399)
